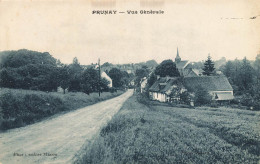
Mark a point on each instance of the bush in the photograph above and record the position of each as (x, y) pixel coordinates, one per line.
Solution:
(185, 98)
(22, 107)
(214, 104)
(19, 109)
(112, 90)
(256, 105)
(182, 106)
(202, 97)
(247, 100)
(142, 98)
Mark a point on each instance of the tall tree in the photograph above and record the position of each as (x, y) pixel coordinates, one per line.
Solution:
(64, 77)
(89, 80)
(141, 73)
(151, 80)
(209, 68)
(116, 75)
(246, 74)
(202, 96)
(228, 69)
(75, 71)
(257, 68)
(28, 70)
(167, 68)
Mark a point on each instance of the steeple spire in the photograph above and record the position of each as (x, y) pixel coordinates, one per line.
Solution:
(178, 58)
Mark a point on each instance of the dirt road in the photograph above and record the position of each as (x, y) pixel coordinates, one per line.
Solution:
(57, 140)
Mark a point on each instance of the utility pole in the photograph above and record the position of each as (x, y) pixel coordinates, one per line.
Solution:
(99, 77)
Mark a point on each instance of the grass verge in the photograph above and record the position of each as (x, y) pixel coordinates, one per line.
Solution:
(22, 107)
(141, 133)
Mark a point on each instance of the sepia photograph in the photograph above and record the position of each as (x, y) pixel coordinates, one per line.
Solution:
(129, 81)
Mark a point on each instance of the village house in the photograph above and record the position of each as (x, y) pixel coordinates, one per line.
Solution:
(165, 88)
(217, 86)
(143, 84)
(168, 89)
(105, 76)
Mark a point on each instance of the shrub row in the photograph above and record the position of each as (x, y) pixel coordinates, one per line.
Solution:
(22, 107)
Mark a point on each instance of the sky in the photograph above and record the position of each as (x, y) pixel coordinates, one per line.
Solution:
(68, 29)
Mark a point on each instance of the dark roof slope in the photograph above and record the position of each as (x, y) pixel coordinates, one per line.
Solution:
(210, 83)
(181, 64)
(165, 83)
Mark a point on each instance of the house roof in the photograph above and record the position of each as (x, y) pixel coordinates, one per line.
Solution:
(210, 83)
(104, 75)
(194, 72)
(182, 64)
(163, 84)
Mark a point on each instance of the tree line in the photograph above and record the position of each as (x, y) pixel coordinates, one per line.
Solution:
(244, 76)
(25, 69)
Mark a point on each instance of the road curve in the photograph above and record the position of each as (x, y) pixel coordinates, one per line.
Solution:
(58, 139)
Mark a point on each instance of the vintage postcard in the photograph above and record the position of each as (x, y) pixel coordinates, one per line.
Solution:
(129, 81)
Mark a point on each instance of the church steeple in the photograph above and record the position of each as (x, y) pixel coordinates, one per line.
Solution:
(178, 58)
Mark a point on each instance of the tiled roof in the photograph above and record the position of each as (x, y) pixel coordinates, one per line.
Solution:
(181, 64)
(210, 83)
(163, 84)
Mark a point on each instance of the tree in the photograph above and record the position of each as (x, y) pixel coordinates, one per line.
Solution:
(64, 77)
(75, 71)
(236, 76)
(229, 69)
(89, 81)
(107, 64)
(104, 85)
(24, 57)
(167, 68)
(28, 70)
(185, 97)
(125, 78)
(141, 73)
(208, 69)
(7, 78)
(257, 68)
(246, 75)
(202, 96)
(116, 75)
(151, 80)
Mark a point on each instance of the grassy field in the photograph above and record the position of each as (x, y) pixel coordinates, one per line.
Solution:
(22, 107)
(152, 133)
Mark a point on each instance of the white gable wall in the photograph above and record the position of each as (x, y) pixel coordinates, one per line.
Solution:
(214, 93)
(105, 76)
(158, 96)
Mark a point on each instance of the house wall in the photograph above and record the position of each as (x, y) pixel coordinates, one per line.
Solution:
(143, 84)
(158, 96)
(105, 76)
(181, 71)
(213, 93)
